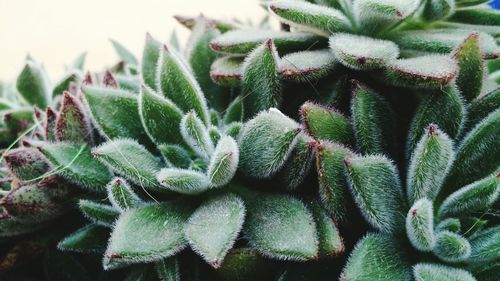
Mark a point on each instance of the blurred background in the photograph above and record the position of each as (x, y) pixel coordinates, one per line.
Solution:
(56, 31)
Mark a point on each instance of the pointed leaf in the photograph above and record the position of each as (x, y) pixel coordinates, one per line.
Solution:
(175, 155)
(120, 194)
(486, 245)
(224, 162)
(183, 181)
(98, 213)
(226, 71)
(471, 68)
(438, 9)
(420, 225)
(88, 239)
(375, 15)
(124, 53)
(150, 57)
(298, 165)
(33, 85)
(438, 272)
(451, 247)
(65, 83)
(481, 107)
(234, 129)
(109, 80)
(450, 224)
(50, 124)
(234, 112)
(196, 135)
(26, 164)
(307, 66)
(330, 243)
(72, 125)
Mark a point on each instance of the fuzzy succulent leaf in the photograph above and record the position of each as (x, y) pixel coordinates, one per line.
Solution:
(213, 228)
(196, 135)
(427, 72)
(175, 155)
(131, 160)
(26, 164)
(317, 19)
(470, 62)
(124, 54)
(176, 82)
(330, 242)
(75, 162)
(377, 257)
(451, 247)
(234, 112)
(150, 57)
(429, 164)
(375, 15)
(438, 272)
(226, 71)
(184, 181)
(438, 9)
(66, 82)
(224, 162)
(72, 124)
(88, 239)
(481, 107)
(420, 225)
(244, 264)
(168, 269)
(261, 86)
(160, 117)
(486, 245)
(307, 66)
(98, 213)
(121, 195)
(50, 124)
(298, 165)
(33, 85)
(477, 16)
(362, 52)
(281, 227)
(374, 182)
(266, 143)
(147, 234)
(475, 197)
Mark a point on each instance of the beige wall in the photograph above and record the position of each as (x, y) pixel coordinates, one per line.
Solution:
(56, 31)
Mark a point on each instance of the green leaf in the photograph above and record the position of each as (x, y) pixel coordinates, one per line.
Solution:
(175, 155)
(374, 182)
(72, 124)
(478, 196)
(168, 269)
(445, 108)
(200, 57)
(224, 162)
(160, 117)
(261, 86)
(183, 181)
(116, 113)
(26, 163)
(281, 227)
(377, 257)
(438, 272)
(307, 66)
(451, 247)
(234, 112)
(221, 24)
(131, 160)
(64, 84)
(196, 135)
(481, 107)
(479, 16)
(330, 243)
(438, 9)
(485, 246)
(226, 71)
(318, 19)
(471, 68)
(150, 57)
(33, 84)
(373, 120)
(298, 165)
(426, 72)
(79, 62)
(124, 54)
(233, 129)
(88, 239)
(420, 225)
(429, 164)
(146, 234)
(75, 163)
(98, 213)
(177, 83)
(213, 228)
(362, 52)
(121, 195)
(450, 224)
(245, 264)
(242, 42)
(373, 16)
(266, 143)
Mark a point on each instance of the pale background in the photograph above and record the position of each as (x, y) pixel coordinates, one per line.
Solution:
(56, 31)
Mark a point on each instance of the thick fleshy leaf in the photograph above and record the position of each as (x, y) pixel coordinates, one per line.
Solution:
(450, 224)
(26, 164)
(266, 143)
(438, 272)
(330, 243)
(33, 85)
(245, 264)
(242, 42)
(221, 24)
(323, 123)
(65, 83)
(99, 213)
(16, 120)
(333, 189)
(445, 108)
(177, 83)
(115, 112)
(75, 162)
(147, 234)
(429, 164)
(373, 120)
(451, 247)
(200, 57)
(183, 181)
(481, 107)
(213, 228)
(168, 269)
(160, 117)
(307, 66)
(485, 246)
(72, 125)
(50, 124)
(261, 86)
(131, 160)
(479, 16)
(88, 239)
(374, 15)
(377, 257)
(478, 196)
(427, 72)
(298, 165)
(362, 52)
(314, 18)
(121, 195)
(195, 133)
(224, 162)
(124, 54)
(234, 112)
(175, 155)
(471, 68)
(281, 227)
(150, 56)
(374, 182)
(226, 71)
(420, 225)
(438, 9)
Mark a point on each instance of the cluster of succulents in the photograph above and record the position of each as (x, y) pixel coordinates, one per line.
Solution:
(359, 142)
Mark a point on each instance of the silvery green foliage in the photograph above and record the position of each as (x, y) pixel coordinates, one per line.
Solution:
(420, 225)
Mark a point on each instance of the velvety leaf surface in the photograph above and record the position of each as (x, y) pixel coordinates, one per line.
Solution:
(451, 247)
(420, 225)
(99, 213)
(183, 181)
(470, 62)
(196, 135)
(121, 195)
(224, 162)
(88, 239)
(33, 85)
(307, 66)
(438, 272)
